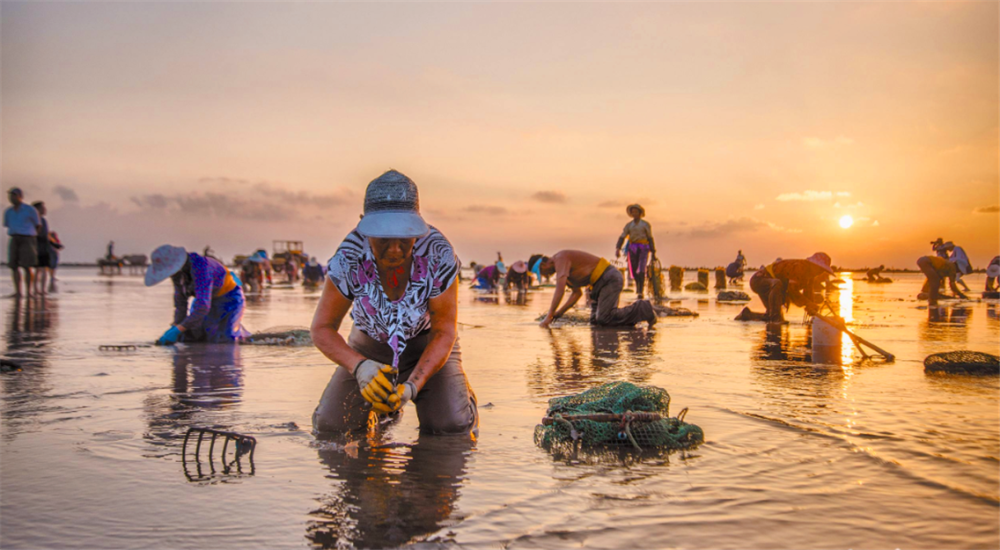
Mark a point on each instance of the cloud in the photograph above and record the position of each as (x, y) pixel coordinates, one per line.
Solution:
(609, 204)
(488, 210)
(278, 191)
(214, 205)
(805, 196)
(987, 209)
(820, 143)
(66, 194)
(758, 207)
(555, 197)
(733, 226)
(843, 194)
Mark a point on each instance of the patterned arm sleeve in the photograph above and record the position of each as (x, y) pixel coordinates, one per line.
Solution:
(444, 264)
(202, 293)
(344, 262)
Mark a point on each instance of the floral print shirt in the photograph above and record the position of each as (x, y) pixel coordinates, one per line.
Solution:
(352, 269)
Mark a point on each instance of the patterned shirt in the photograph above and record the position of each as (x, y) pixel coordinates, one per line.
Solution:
(352, 269)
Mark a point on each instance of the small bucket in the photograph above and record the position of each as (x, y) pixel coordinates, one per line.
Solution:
(826, 342)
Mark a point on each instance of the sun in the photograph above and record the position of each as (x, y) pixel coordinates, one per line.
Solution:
(846, 221)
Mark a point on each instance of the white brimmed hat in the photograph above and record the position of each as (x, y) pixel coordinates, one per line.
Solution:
(164, 262)
(519, 267)
(994, 269)
(392, 208)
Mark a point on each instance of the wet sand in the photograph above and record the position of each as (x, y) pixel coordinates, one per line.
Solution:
(796, 454)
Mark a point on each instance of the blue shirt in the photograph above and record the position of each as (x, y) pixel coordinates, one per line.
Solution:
(22, 220)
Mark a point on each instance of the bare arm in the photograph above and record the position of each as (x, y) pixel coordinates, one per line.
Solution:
(562, 277)
(954, 288)
(330, 312)
(444, 331)
(574, 297)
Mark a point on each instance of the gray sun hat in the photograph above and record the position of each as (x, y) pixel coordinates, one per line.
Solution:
(392, 208)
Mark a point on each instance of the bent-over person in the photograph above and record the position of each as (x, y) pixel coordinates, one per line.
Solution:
(577, 270)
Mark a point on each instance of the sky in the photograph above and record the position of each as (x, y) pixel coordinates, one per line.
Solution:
(527, 127)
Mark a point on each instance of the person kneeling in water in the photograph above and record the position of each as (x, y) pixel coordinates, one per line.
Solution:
(787, 282)
(218, 303)
(577, 270)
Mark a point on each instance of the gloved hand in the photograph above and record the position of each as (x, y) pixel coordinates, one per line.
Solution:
(404, 393)
(375, 387)
(170, 337)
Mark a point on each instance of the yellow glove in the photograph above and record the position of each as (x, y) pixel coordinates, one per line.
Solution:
(404, 393)
(375, 386)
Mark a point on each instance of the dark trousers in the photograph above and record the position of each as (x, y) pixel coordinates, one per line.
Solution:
(445, 405)
(604, 310)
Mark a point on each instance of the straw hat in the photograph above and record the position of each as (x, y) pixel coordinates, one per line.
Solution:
(392, 208)
(164, 262)
(519, 267)
(642, 211)
(821, 259)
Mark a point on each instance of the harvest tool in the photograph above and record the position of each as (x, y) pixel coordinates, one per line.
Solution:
(242, 445)
(836, 322)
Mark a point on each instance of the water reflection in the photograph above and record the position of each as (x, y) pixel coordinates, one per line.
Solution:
(206, 385)
(946, 324)
(574, 367)
(387, 497)
(31, 329)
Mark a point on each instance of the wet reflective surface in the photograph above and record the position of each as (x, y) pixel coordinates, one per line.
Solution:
(802, 449)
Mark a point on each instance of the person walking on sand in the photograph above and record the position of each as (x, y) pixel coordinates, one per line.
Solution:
(577, 270)
(786, 282)
(22, 223)
(397, 276)
(640, 245)
(43, 271)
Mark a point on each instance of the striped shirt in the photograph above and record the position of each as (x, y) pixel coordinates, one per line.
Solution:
(352, 269)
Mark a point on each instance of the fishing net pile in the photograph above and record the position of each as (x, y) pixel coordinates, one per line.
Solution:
(962, 362)
(733, 296)
(695, 286)
(280, 336)
(664, 311)
(616, 415)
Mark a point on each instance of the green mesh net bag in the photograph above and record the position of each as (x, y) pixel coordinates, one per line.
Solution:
(616, 415)
(963, 362)
(280, 336)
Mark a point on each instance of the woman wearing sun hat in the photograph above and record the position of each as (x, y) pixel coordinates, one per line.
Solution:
(398, 274)
(640, 244)
(786, 282)
(218, 304)
(993, 275)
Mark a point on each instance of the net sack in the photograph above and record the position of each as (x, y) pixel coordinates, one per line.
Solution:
(616, 415)
(665, 311)
(733, 296)
(963, 362)
(280, 336)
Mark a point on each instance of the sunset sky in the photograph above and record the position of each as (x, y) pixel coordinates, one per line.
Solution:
(528, 127)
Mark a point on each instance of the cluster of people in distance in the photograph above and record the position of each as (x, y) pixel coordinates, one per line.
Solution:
(257, 268)
(397, 276)
(31, 246)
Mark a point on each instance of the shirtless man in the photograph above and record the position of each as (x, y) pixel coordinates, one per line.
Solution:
(578, 270)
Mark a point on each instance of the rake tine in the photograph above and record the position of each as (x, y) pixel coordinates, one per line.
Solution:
(211, 446)
(224, 445)
(197, 449)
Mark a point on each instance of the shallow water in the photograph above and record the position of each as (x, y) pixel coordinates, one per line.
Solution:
(796, 455)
